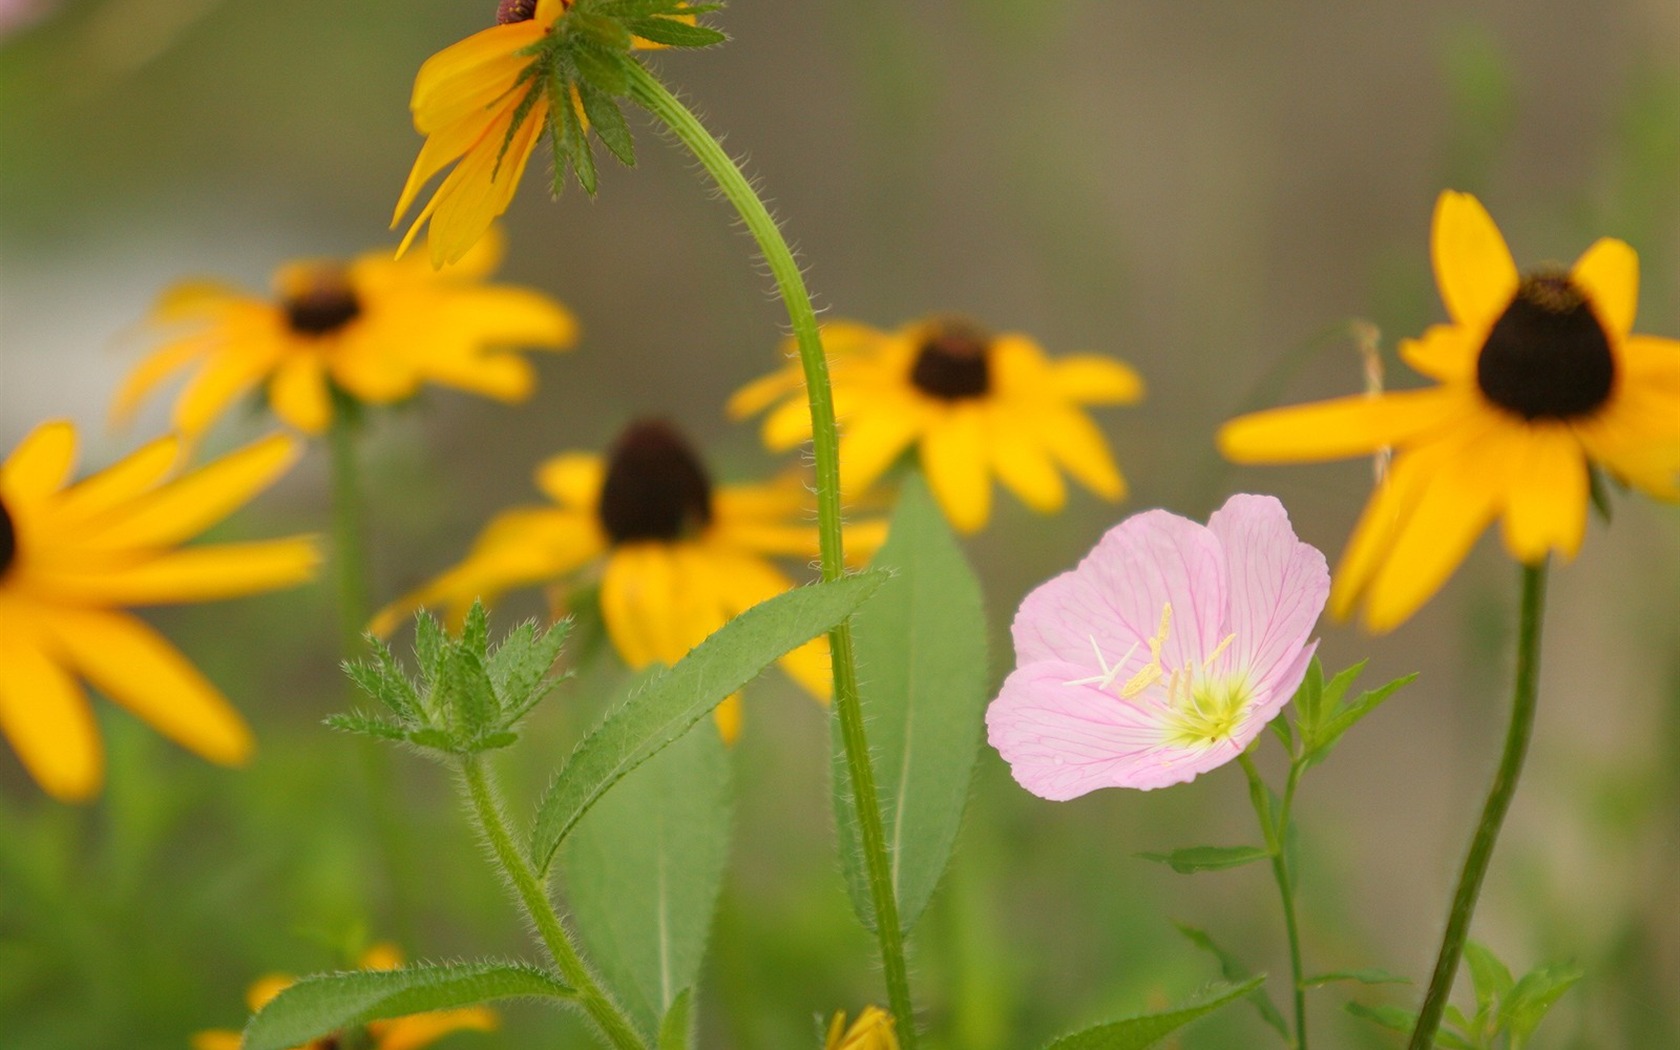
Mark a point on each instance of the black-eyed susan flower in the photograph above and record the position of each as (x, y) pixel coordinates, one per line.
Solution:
(1538, 376)
(401, 1033)
(973, 405)
(873, 1030)
(374, 328)
(676, 555)
(73, 556)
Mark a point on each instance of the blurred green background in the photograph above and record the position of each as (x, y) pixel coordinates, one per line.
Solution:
(1201, 187)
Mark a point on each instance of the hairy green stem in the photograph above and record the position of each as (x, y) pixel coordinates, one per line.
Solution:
(1523, 703)
(533, 897)
(1275, 833)
(651, 94)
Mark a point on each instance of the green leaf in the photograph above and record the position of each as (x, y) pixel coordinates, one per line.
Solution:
(574, 140)
(643, 869)
(1234, 971)
(677, 698)
(672, 33)
(468, 699)
(1348, 714)
(1487, 974)
(677, 1030)
(317, 1006)
(519, 668)
(383, 680)
(1366, 976)
(1309, 700)
(1192, 859)
(475, 632)
(609, 123)
(1139, 1033)
(1527, 1002)
(921, 642)
(608, 33)
(1395, 1019)
(601, 69)
(435, 739)
(430, 643)
(367, 725)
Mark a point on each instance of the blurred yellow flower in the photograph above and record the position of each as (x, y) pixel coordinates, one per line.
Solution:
(973, 404)
(374, 328)
(1538, 376)
(72, 555)
(873, 1030)
(677, 556)
(402, 1033)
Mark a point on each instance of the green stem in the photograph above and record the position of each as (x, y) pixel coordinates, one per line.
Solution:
(1504, 787)
(533, 897)
(825, 440)
(1275, 833)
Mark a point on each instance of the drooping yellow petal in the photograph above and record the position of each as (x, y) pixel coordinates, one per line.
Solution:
(1090, 379)
(1076, 444)
(510, 316)
(98, 494)
(788, 425)
(572, 479)
(197, 574)
(224, 379)
(953, 452)
(482, 184)
(189, 505)
(1445, 352)
(503, 376)
(1346, 426)
(218, 1039)
(298, 394)
(45, 717)
(1547, 494)
(152, 370)
(1024, 467)
(765, 391)
(637, 589)
(40, 464)
(872, 442)
(133, 665)
(1608, 272)
(1473, 267)
(422, 1030)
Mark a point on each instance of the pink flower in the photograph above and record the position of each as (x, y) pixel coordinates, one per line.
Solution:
(1163, 654)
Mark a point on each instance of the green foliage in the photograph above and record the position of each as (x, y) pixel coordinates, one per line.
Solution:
(643, 870)
(1369, 975)
(1139, 1033)
(675, 699)
(470, 696)
(921, 648)
(1323, 714)
(1508, 1010)
(1236, 972)
(318, 1006)
(1192, 859)
(676, 1031)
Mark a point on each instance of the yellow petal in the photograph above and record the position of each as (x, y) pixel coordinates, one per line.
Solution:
(872, 441)
(191, 504)
(1547, 495)
(225, 378)
(482, 184)
(118, 483)
(298, 394)
(1445, 352)
(133, 665)
(503, 376)
(954, 459)
(45, 717)
(218, 1039)
(1346, 426)
(421, 1030)
(508, 316)
(199, 574)
(1076, 444)
(573, 479)
(152, 370)
(788, 425)
(1609, 273)
(1093, 380)
(1473, 267)
(194, 300)
(41, 463)
(1025, 468)
(765, 391)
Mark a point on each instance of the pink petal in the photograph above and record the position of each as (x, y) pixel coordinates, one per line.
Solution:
(1277, 588)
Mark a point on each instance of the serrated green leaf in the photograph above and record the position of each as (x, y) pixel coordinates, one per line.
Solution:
(475, 632)
(1487, 974)
(574, 140)
(430, 643)
(468, 699)
(676, 1031)
(317, 1006)
(672, 33)
(609, 33)
(677, 698)
(643, 870)
(366, 725)
(922, 639)
(435, 739)
(1236, 972)
(1369, 975)
(1140, 1033)
(492, 741)
(519, 667)
(609, 124)
(1192, 859)
(1531, 997)
(602, 70)
(1395, 1019)
(383, 679)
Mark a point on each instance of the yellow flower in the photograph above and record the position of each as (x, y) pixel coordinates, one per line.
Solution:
(72, 555)
(974, 404)
(402, 1033)
(677, 557)
(873, 1030)
(1538, 375)
(374, 328)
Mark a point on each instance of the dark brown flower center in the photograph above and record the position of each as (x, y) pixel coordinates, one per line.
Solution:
(656, 487)
(515, 11)
(1548, 356)
(952, 362)
(8, 540)
(325, 305)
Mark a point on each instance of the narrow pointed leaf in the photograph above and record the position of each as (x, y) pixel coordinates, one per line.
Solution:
(922, 644)
(366, 725)
(677, 698)
(676, 1031)
(1528, 1000)
(1366, 976)
(317, 1006)
(1192, 859)
(643, 870)
(1488, 975)
(1234, 971)
(672, 33)
(609, 124)
(1140, 1033)
(1395, 1019)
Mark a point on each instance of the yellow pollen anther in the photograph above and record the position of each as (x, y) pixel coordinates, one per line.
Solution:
(1151, 672)
(1221, 647)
